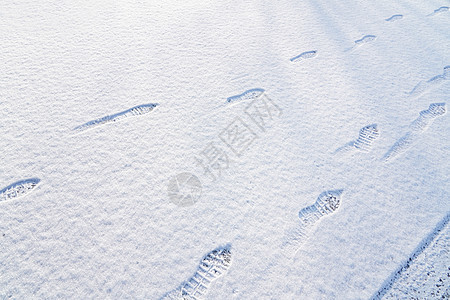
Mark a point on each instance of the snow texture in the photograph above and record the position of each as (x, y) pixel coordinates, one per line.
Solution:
(248, 102)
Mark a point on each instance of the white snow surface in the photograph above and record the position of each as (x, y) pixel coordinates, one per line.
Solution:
(428, 274)
(101, 225)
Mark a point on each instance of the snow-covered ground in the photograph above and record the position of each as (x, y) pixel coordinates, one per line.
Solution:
(224, 149)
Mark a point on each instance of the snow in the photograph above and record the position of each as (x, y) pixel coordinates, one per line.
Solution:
(101, 223)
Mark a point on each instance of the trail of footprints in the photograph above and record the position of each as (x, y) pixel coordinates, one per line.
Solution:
(418, 126)
(212, 266)
(134, 111)
(23, 187)
(18, 189)
(216, 263)
(327, 203)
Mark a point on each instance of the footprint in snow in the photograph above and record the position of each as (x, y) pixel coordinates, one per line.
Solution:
(417, 127)
(304, 55)
(134, 111)
(327, 203)
(212, 266)
(439, 10)
(246, 96)
(18, 189)
(364, 40)
(394, 18)
(367, 135)
(432, 83)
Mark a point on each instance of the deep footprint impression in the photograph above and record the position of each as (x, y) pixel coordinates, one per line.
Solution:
(134, 111)
(212, 266)
(426, 117)
(418, 126)
(367, 135)
(327, 203)
(18, 189)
